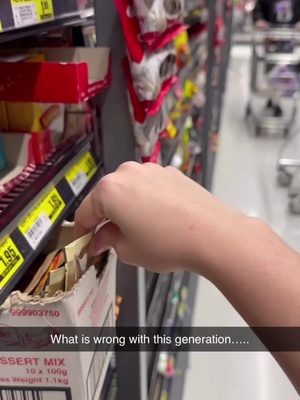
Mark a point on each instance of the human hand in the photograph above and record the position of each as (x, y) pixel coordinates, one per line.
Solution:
(160, 219)
(297, 26)
(261, 24)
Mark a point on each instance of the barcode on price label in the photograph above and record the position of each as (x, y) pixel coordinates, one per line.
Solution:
(38, 230)
(80, 174)
(40, 219)
(29, 393)
(79, 182)
(26, 12)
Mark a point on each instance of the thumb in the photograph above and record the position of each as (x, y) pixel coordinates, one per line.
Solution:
(106, 238)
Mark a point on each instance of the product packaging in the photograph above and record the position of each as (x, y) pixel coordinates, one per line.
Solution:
(153, 22)
(151, 79)
(49, 124)
(150, 73)
(155, 156)
(146, 127)
(36, 117)
(183, 51)
(58, 297)
(83, 71)
(4, 127)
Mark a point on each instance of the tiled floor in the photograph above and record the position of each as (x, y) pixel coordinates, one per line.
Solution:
(245, 177)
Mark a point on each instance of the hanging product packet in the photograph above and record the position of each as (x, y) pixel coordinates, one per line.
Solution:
(157, 17)
(152, 22)
(153, 70)
(146, 128)
(151, 79)
(150, 73)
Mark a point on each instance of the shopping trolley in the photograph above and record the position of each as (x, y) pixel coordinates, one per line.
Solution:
(288, 166)
(274, 54)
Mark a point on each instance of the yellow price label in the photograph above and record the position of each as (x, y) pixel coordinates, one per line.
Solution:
(31, 11)
(81, 172)
(38, 222)
(10, 260)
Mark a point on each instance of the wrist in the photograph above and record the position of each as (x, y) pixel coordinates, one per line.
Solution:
(226, 246)
(218, 241)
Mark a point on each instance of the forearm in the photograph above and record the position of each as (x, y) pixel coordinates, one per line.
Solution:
(260, 276)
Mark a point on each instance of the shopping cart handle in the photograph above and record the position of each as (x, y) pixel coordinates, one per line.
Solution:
(276, 33)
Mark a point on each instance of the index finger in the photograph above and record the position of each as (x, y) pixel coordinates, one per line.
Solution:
(89, 214)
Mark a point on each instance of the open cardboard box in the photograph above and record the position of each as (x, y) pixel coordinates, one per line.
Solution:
(69, 374)
(69, 75)
(19, 153)
(63, 235)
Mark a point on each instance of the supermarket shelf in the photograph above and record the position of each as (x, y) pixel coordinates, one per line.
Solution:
(151, 280)
(63, 19)
(217, 106)
(155, 319)
(172, 387)
(191, 166)
(33, 210)
(174, 143)
(169, 323)
(195, 16)
(182, 358)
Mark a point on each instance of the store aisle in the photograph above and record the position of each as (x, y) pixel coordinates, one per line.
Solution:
(245, 177)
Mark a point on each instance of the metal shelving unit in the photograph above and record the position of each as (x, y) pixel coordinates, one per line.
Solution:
(39, 205)
(39, 15)
(117, 146)
(216, 77)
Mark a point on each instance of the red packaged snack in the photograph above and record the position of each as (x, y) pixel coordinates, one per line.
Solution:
(152, 78)
(147, 133)
(153, 23)
(155, 156)
(157, 17)
(146, 126)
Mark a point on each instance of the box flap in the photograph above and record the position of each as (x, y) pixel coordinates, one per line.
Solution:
(18, 298)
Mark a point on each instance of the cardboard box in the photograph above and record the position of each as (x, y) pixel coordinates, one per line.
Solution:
(36, 117)
(3, 117)
(48, 124)
(84, 72)
(63, 375)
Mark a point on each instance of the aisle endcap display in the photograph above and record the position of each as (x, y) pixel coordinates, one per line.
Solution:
(30, 228)
(68, 75)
